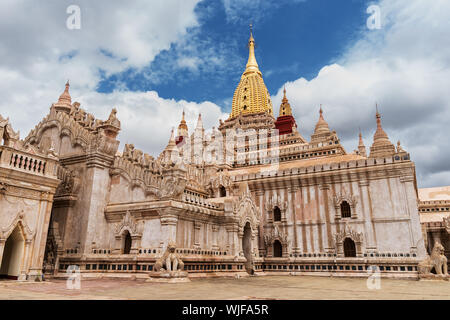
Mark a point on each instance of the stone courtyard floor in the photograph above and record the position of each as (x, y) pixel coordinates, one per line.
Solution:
(252, 288)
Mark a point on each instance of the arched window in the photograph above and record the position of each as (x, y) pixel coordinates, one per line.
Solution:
(346, 212)
(277, 249)
(127, 243)
(276, 214)
(222, 191)
(349, 248)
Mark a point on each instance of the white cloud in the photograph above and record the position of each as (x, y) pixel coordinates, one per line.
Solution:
(147, 119)
(405, 68)
(38, 53)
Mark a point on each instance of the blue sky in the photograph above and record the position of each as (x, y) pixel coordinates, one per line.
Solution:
(152, 59)
(294, 38)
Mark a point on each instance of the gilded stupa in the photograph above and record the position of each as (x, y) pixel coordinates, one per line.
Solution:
(251, 95)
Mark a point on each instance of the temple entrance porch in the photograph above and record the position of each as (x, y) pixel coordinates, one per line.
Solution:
(12, 255)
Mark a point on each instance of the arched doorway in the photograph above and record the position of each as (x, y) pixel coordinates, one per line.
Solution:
(277, 249)
(349, 248)
(223, 191)
(247, 247)
(126, 243)
(12, 255)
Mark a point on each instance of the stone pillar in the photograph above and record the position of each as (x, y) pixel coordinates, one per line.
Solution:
(59, 253)
(353, 208)
(371, 244)
(240, 239)
(292, 192)
(40, 240)
(358, 246)
(197, 228)
(233, 246)
(340, 249)
(415, 231)
(119, 243)
(260, 195)
(24, 265)
(215, 230)
(135, 244)
(270, 250)
(168, 228)
(285, 253)
(96, 188)
(2, 247)
(255, 243)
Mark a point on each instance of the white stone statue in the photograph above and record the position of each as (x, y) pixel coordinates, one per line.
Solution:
(437, 260)
(170, 261)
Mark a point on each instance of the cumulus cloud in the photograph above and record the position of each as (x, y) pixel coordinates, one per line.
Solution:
(38, 53)
(146, 118)
(405, 68)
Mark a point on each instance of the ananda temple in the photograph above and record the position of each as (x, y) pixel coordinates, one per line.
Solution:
(254, 197)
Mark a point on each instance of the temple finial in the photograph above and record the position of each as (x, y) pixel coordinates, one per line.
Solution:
(378, 117)
(360, 137)
(252, 65)
(65, 101)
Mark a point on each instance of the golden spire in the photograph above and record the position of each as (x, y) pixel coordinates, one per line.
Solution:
(251, 95)
(182, 127)
(285, 107)
(252, 65)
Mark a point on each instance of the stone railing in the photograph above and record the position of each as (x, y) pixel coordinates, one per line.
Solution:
(196, 199)
(26, 162)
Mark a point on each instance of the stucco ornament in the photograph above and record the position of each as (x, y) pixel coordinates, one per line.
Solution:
(275, 234)
(220, 180)
(348, 233)
(276, 201)
(343, 196)
(129, 223)
(172, 187)
(19, 220)
(245, 209)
